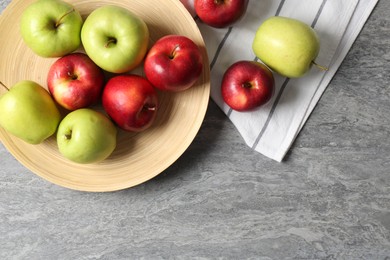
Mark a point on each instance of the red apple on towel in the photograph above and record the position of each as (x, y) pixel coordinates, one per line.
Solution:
(220, 13)
(247, 85)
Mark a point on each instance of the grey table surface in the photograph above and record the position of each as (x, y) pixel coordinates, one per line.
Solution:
(329, 198)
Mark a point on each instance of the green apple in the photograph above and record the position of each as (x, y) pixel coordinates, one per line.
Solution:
(51, 28)
(286, 45)
(28, 112)
(86, 136)
(115, 38)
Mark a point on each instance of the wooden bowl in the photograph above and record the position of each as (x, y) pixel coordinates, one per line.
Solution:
(138, 156)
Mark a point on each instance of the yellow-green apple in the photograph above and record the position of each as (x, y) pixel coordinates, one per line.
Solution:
(86, 136)
(75, 81)
(286, 45)
(220, 13)
(51, 28)
(131, 101)
(115, 38)
(28, 112)
(173, 63)
(247, 85)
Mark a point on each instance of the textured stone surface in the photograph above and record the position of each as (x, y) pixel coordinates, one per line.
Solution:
(330, 199)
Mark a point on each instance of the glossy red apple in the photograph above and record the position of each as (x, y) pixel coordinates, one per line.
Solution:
(131, 102)
(220, 13)
(75, 81)
(173, 63)
(247, 85)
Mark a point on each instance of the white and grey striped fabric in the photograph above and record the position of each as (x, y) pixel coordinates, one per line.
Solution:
(272, 129)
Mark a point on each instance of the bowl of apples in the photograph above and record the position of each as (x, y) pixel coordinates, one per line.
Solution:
(111, 99)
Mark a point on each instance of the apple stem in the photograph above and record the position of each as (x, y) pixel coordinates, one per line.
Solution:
(63, 16)
(323, 68)
(110, 40)
(68, 136)
(1, 83)
(246, 85)
(72, 76)
(173, 53)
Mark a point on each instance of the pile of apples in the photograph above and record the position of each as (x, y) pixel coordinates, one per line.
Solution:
(115, 42)
(282, 45)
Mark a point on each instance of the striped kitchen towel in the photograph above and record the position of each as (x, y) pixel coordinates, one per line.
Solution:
(271, 129)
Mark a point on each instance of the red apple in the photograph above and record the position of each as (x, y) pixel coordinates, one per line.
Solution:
(220, 13)
(247, 85)
(173, 63)
(75, 81)
(131, 102)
